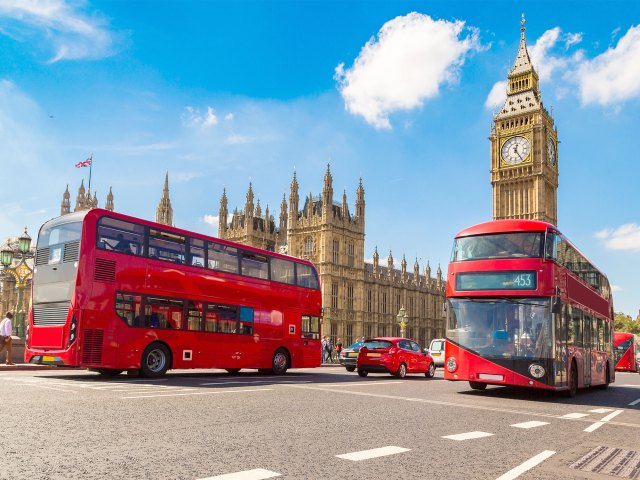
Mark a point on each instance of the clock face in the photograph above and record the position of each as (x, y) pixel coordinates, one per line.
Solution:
(515, 150)
(551, 151)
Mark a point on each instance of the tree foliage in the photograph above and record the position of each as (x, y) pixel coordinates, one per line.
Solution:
(624, 323)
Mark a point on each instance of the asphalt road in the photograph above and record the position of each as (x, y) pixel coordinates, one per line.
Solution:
(194, 425)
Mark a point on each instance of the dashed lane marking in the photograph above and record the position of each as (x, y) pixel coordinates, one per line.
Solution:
(531, 424)
(255, 474)
(635, 402)
(528, 465)
(601, 410)
(217, 392)
(468, 436)
(256, 381)
(572, 416)
(373, 453)
(602, 421)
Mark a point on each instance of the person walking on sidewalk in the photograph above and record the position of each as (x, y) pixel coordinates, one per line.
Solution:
(5, 336)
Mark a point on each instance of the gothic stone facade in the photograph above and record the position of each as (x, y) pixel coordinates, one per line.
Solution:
(524, 148)
(359, 298)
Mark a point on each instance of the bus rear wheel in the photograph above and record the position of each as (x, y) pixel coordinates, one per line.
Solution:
(478, 385)
(280, 362)
(155, 360)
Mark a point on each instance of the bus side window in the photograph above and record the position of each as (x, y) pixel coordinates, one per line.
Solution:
(306, 276)
(222, 257)
(128, 308)
(246, 321)
(120, 236)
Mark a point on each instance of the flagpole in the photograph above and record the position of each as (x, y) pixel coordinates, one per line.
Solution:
(90, 167)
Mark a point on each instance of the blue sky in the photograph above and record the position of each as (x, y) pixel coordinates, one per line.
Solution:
(399, 93)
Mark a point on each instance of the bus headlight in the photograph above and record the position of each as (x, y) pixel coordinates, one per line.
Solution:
(452, 365)
(536, 371)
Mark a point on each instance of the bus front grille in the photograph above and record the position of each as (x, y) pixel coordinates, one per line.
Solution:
(42, 256)
(49, 314)
(71, 250)
(92, 346)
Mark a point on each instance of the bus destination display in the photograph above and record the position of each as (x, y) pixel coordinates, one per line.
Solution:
(511, 280)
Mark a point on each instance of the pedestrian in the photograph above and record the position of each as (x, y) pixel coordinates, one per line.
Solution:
(324, 349)
(5, 336)
(338, 348)
(329, 349)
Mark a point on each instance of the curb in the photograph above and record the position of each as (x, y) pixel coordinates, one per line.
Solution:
(24, 367)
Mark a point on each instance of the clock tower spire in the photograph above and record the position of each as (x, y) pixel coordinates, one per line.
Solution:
(524, 140)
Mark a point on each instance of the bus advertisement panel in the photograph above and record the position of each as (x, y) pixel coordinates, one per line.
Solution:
(113, 293)
(526, 308)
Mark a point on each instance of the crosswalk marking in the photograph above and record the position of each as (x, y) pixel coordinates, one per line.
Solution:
(635, 402)
(601, 410)
(528, 465)
(468, 436)
(602, 421)
(373, 453)
(255, 474)
(531, 424)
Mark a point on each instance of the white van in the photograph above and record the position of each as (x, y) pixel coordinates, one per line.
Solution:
(436, 350)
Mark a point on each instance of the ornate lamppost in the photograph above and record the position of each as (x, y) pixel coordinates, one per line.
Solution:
(403, 319)
(21, 273)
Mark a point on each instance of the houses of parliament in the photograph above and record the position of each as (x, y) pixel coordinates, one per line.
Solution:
(362, 298)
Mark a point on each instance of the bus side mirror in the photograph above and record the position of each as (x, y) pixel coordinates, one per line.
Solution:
(556, 307)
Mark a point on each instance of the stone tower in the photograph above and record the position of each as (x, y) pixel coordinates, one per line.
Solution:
(65, 207)
(524, 148)
(109, 205)
(81, 199)
(164, 212)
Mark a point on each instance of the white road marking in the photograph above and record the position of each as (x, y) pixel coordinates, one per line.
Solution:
(201, 393)
(531, 424)
(257, 381)
(602, 421)
(631, 386)
(468, 436)
(575, 415)
(635, 402)
(49, 388)
(361, 384)
(528, 465)
(601, 410)
(373, 453)
(255, 474)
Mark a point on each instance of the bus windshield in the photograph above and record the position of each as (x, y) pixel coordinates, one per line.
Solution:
(501, 245)
(57, 234)
(515, 327)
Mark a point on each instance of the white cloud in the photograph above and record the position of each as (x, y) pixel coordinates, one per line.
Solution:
(212, 220)
(236, 139)
(612, 77)
(412, 57)
(625, 237)
(55, 23)
(616, 288)
(571, 39)
(183, 177)
(497, 95)
(228, 117)
(192, 117)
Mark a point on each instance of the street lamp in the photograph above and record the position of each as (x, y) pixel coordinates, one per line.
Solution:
(21, 273)
(403, 319)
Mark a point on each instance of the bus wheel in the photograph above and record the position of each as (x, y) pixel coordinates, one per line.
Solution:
(478, 385)
(350, 369)
(109, 372)
(573, 381)
(362, 373)
(280, 362)
(232, 371)
(432, 370)
(402, 371)
(155, 360)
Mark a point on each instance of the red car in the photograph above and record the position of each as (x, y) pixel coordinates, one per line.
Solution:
(397, 356)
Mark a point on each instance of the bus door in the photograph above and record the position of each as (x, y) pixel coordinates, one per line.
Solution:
(586, 346)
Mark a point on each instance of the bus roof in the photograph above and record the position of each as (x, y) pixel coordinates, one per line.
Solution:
(503, 226)
(99, 212)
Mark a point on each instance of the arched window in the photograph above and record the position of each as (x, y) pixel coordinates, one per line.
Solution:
(309, 247)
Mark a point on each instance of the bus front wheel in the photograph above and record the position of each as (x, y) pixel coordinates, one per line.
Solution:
(155, 360)
(478, 385)
(280, 362)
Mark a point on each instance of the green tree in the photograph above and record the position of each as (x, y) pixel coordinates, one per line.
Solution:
(624, 323)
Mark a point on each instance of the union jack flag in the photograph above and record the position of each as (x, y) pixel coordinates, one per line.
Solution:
(85, 163)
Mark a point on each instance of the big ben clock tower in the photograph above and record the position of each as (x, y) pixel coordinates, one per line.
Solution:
(524, 148)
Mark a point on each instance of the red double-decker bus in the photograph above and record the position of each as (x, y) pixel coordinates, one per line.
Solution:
(526, 308)
(113, 293)
(626, 347)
